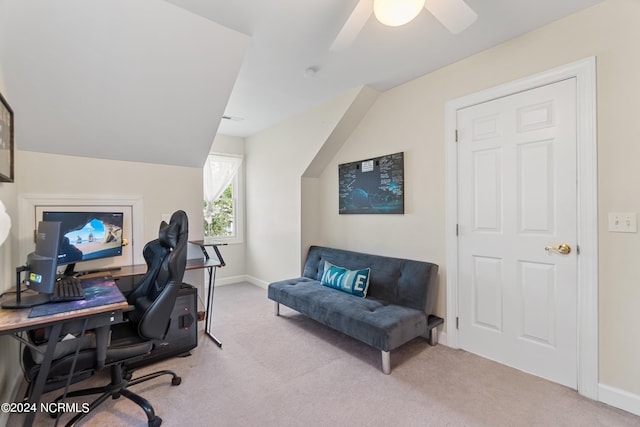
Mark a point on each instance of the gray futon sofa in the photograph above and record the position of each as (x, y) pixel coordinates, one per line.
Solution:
(398, 306)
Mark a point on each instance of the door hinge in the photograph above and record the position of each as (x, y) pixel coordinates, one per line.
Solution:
(456, 136)
(456, 229)
(457, 323)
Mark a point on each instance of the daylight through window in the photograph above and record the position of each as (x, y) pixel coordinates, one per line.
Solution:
(222, 197)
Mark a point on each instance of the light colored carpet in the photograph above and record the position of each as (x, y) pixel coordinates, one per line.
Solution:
(291, 371)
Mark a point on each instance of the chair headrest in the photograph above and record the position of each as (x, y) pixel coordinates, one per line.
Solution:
(182, 222)
(178, 227)
(168, 235)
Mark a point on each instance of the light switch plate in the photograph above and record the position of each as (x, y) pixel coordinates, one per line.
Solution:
(623, 222)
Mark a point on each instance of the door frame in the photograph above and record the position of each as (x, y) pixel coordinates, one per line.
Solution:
(584, 71)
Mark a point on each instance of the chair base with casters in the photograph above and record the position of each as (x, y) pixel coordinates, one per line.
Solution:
(124, 347)
(118, 387)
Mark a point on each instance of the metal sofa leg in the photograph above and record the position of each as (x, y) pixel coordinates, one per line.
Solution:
(386, 362)
(433, 336)
(276, 308)
(432, 327)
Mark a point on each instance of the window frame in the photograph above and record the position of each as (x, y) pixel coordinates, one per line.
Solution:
(237, 198)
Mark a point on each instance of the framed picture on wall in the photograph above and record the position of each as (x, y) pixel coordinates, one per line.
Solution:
(372, 186)
(6, 141)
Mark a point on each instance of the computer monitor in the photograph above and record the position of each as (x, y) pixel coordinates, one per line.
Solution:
(87, 236)
(41, 268)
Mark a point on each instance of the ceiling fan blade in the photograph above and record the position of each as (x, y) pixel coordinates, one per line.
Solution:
(360, 15)
(455, 15)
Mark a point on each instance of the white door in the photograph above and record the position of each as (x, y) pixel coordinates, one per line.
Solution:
(517, 204)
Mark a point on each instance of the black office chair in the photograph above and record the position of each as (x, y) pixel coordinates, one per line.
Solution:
(153, 300)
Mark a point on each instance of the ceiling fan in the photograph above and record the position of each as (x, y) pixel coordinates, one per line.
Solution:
(455, 15)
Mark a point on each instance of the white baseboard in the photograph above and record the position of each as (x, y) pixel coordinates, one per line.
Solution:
(619, 398)
(223, 281)
(257, 282)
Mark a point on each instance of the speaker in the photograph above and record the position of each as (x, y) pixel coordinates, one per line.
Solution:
(183, 329)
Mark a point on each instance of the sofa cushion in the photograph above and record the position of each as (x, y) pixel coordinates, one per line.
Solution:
(355, 282)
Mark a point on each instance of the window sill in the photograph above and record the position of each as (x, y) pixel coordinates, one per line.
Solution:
(224, 240)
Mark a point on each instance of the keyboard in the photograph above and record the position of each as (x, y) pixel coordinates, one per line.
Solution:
(67, 289)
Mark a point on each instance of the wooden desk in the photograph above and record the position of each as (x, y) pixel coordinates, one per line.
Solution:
(99, 318)
(14, 321)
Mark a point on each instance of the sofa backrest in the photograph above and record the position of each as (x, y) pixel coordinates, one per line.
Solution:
(397, 281)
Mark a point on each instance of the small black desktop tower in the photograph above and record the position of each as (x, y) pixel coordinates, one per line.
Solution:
(183, 329)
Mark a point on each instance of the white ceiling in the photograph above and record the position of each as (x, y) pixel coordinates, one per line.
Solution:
(149, 80)
(289, 36)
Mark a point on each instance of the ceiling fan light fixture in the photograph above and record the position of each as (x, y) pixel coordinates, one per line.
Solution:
(397, 12)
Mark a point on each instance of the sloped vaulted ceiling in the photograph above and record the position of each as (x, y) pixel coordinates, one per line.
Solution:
(136, 80)
(148, 80)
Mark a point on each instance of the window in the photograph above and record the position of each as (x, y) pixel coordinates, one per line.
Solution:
(223, 198)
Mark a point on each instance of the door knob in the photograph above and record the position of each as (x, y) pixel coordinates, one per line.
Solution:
(562, 249)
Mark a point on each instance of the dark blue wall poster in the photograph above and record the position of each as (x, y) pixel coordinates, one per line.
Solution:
(373, 186)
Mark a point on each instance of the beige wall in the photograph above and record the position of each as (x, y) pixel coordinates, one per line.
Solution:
(276, 160)
(410, 118)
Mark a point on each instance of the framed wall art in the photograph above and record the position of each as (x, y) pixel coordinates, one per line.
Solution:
(6, 141)
(372, 186)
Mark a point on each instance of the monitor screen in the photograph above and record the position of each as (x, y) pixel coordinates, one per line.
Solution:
(87, 235)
